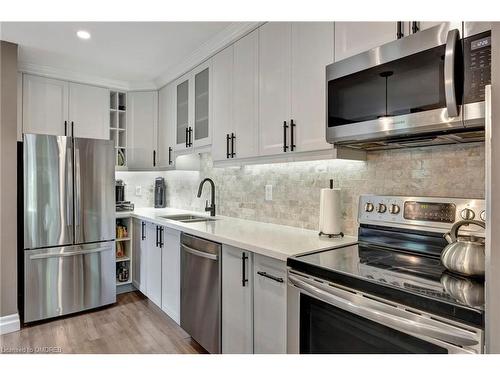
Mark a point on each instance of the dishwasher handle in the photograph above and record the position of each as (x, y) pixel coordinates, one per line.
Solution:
(199, 253)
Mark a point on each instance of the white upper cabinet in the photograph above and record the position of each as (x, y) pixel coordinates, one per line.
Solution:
(352, 38)
(222, 89)
(142, 117)
(235, 105)
(193, 108)
(274, 86)
(89, 111)
(45, 106)
(166, 127)
(312, 51)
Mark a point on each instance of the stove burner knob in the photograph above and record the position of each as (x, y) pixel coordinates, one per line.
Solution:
(467, 214)
(369, 207)
(395, 209)
(482, 215)
(381, 208)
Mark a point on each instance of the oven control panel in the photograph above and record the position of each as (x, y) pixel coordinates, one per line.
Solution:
(429, 212)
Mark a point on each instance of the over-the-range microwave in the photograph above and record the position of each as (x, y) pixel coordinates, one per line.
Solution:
(423, 89)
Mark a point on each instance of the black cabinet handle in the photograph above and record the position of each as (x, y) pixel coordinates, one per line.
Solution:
(169, 155)
(265, 274)
(157, 230)
(154, 158)
(227, 146)
(292, 142)
(186, 137)
(161, 237)
(143, 230)
(233, 154)
(399, 30)
(415, 27)
(65, 128)
(244, 279)
(285, 127)
(72, 129)
(190, 136)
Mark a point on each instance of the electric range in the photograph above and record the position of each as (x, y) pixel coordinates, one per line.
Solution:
(391, 288)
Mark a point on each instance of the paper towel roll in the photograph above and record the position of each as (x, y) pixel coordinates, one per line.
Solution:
(330, 219)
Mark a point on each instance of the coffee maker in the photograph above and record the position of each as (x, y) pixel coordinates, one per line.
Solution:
(121, 203)
(160, 192)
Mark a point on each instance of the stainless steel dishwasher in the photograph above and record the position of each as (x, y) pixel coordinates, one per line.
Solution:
(201, 291)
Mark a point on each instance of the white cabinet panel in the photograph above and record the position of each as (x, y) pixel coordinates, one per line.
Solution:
(312, 51)
(222, 80)
(202, 105)
(142, 113)
(245, 116)
(171, 273)
(45, 105)
(153, 265)
(274, 85)
(269, 305)
(89, 111)
(237, 301)
(136, 253)
(352, 38)
(166, 126)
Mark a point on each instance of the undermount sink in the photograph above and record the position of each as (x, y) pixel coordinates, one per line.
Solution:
(188, 218)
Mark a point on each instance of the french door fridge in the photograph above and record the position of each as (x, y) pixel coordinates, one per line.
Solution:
(69, 225)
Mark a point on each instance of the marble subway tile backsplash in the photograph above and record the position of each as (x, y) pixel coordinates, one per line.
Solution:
(452, 170)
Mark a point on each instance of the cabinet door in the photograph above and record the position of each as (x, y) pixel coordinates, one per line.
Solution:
(89, 111)
(269, 305)
(153, 267)
(222, 81)
(146, 239)
(45, 105)
(352, 38)
(312, 51)
(202, 108)
(142, 112)
(137, 237)
(171, 274)
(245, 96)
(182, 112)
(237, 296)
(166, 127)
(274, 85)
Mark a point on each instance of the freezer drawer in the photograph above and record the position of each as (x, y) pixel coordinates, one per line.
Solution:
(64, 280)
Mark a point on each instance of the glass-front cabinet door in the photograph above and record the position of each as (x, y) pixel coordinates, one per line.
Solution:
(182, 115)
(202, 107)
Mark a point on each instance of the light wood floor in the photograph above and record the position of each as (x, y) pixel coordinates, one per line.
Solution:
(133, 325)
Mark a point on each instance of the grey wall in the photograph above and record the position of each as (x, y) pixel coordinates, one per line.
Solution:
(454, 170)
(8, 179)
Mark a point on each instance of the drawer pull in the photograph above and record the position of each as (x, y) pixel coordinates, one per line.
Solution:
(275, 278)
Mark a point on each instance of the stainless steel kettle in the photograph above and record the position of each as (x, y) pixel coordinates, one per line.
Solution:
(464, 254)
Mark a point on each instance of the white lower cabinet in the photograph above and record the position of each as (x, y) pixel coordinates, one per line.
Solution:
(139, 255)
(269, 305)
(153, 263)
(237, 301)
(171, 275)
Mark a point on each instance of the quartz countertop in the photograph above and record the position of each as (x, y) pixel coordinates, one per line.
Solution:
(272, 240)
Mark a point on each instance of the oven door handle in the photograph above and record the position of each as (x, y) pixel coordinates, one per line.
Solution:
(449, 72)
(462, 337)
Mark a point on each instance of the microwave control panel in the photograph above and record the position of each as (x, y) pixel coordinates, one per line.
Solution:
(477, 63)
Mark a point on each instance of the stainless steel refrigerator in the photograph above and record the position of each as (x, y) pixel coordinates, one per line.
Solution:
(69, 225)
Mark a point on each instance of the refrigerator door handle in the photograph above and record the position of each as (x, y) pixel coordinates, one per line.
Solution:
(77, 188)
(70, 254)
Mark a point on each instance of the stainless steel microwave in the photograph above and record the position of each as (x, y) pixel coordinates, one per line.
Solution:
(423, 89)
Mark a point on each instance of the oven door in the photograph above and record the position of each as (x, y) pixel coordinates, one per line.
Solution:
(408, 86)
(328, 319)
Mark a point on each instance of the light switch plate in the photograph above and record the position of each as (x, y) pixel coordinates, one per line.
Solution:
(138, 190)
(269, 192)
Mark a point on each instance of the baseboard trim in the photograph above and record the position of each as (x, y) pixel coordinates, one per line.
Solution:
(9, 323)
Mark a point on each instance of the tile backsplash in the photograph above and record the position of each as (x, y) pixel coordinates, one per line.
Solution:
(452, 170)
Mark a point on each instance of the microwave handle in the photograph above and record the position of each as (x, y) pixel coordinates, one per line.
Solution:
(450, 73)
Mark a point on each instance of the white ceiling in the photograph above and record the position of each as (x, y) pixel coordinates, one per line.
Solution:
(122, 51)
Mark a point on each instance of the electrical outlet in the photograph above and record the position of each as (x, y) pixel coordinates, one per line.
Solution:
(269, 192)
(138, 190)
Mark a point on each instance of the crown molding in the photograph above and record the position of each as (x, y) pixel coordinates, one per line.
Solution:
(68, 75)
(221, 40)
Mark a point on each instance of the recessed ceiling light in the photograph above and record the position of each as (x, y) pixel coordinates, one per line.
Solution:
(82, 34)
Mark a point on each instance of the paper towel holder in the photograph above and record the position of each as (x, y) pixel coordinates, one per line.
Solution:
(335, 235)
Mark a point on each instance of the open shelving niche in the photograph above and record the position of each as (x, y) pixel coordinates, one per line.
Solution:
(118, 127)
(127, 259)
